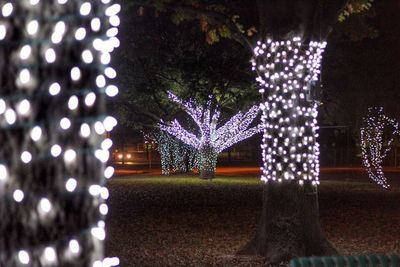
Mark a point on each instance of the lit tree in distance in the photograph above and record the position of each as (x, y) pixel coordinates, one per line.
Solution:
(211, 139)
(55, 78)
(374, 148)
(176, 156)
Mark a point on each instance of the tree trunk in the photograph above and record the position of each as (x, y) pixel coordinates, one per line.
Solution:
(208, 162)
(289, 225)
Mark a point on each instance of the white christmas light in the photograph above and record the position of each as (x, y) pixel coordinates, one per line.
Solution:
(73, 102)
(7, 9)
(75, 73)
(24, 76)
(3, 172)
(85, 130)
(65, 123)
(23, 257)
(98, 233)
(71, 184)
(87, 56)
(54, 89)
(108, 172)
(26, 157)
(106, 144)
(3, 32)
(95, 190)
(25, 52)
(50, 55)
(18, 195)
(50, 254)
(74, 246)
(112, 90)
(45, 205)
(85, 8)
(36, 133)
(80, 34)
(90, 99)
(55, 150)
(32, 27)
(3, 106)
(103, 209)
(99, 128)
(69, 155)
(95, 24)
(24, 107)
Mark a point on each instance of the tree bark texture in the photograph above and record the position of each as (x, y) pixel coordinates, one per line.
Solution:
(289, 225)
(208, 162)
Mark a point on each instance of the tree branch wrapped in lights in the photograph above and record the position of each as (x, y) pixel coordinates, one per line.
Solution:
(374, 149)
(211, 140)
(54, 77)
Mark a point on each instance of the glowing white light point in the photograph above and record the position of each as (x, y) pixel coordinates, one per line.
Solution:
(109, 172)
(18, 195)
(65, 123)
(23, 257)
(73, 102)
(32, 27)
(26, 157)
(90, 99)
(55, 150)
(54, 89)
(69, 155)
(45, 205)
(75, 73)
(25, 52)
(7, 9)
(85, 130)
(50, 254)
(36, 133)
(71, 184)
(74, 246)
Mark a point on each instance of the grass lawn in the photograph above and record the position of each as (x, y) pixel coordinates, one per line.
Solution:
(184, 221)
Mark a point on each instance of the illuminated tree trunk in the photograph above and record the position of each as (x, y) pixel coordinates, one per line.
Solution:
(52, 131)
(289, 224)
(287, 68)
(208, 162)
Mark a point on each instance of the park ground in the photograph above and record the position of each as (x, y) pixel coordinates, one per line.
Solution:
(181, 220)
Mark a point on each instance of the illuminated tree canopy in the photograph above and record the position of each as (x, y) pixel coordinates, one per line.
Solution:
(211, 139)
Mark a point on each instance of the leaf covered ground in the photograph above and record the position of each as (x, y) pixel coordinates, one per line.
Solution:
(184, 221)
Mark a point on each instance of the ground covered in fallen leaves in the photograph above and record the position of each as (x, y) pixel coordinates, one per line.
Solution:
(184, 221)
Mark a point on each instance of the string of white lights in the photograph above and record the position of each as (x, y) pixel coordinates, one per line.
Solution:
(286, 71)
(211, 140)
(55, 76)
(176, 156)
(374, 147)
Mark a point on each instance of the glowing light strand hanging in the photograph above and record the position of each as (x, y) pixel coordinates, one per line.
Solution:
(54, 77)
(286, 71)
(176, 156)
(374, 148)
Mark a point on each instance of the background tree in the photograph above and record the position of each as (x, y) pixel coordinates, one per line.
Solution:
(377, 135)
(176, 156)
(289, 225)
(210, 139)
